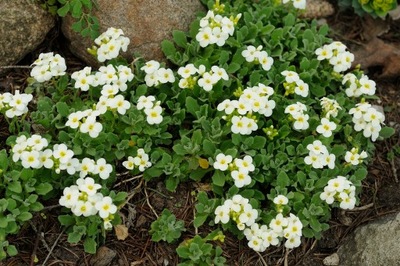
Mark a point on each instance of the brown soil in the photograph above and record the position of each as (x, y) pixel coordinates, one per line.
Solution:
(380, 192)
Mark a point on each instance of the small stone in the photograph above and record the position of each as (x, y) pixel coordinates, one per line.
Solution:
(332, 260)
(103, 257)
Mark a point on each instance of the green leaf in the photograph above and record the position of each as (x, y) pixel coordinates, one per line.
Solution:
(12, 250)
(192, 106)
(282, 179)
(209, 147)
(289, 19)
(66, 220)
(77, 9)
(168, 48)
(387, 132)
(25, 216)
(77, 26)
(219, 178)
(90, 245)
(62, 11)
(15, 187)
(3, 160)
(233, 67)
(74, 237)
(199, 219)
(62, 109)
(180, 38)
(43, 188)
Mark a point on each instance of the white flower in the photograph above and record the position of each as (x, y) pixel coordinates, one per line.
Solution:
(105, 207)
(129, 164)
(165, 75)
(278, 223)
(281, 200)
(154, 115)
(150, 66)
(324, 52)
(74, 120)
(37, 142)
(317, 147)
(91, 126)
(316, 160)
(299, 4)
(187, 71)
(367, 86)
(62, 153)
(84, 208)
(265, 60)
(301, 121)
(86, 166)
(45, 158)
(228, 106)
(222, 162)
(88, 185)
(294, 241)
(207, 81)
(205, 37)
(145, 102)
(290, 76)
(326, 127)
(102, 168)
(119, 103)
(222, 214)
(30, 159)
(301, 88)
(241, 178)
(70, 196)
(251, 52)
(245, 164)
(220, 72)
(295, 108)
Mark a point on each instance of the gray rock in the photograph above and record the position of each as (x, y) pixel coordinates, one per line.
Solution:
(23, 26)
(145, 22)
(373, 244)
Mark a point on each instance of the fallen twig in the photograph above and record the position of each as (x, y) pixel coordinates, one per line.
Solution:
(52, 248)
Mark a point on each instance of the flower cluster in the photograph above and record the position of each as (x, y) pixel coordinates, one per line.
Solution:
(206, 80)
(110, 43)
(240, 168)
(337, 55)
(299, 4)
(357, 87)
(261, 237)
(33, 154)
(215, 29)
(141, 161)
(330, 108)
(318, 156)
(14, 104)
(84, 200)
(155, 74)
(367, 119)
(253, 54)
(253, 100)
(300, 118)
(293, 84)
(355, 158)
(86, 122)
(151, 108)
(47, 66)
(107, 76)
(237, 209)
(340, 189)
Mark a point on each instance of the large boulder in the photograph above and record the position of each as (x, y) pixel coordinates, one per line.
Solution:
(373, 244)
(145, 22)
(23, 26)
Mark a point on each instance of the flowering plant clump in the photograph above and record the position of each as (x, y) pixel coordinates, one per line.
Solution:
(375, 8)
(256, 103)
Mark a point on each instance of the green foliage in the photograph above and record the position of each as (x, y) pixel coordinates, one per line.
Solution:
(81, 10)
(197, 251)
(184, 145)
(375, 8)
(166, 228)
